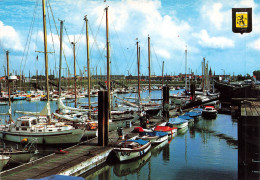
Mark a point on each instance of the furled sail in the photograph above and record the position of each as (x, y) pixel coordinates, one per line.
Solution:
(56, 115)
(62, 106)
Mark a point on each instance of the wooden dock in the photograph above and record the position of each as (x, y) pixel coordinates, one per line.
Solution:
(249, 140)
(79, 159)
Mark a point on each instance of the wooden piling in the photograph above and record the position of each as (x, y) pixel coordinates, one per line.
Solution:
(166, 96)
(103, 113)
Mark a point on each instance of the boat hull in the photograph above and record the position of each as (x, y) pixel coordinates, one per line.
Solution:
(124, 155)
(19, 157)
(154, 139)
(63, 137)
(3, 161)
(179, 125)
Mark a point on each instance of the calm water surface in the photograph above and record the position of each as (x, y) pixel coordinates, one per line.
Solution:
(196, 153)
(207, 150)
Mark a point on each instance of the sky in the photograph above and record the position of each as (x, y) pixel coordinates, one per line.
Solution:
(204, 27)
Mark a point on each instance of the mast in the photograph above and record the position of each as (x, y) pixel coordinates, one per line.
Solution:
(46, 58)
(186, 68)
(138, 68)
(61, 31)
(87, 39)
(108, 61)
(149, 67)
(162, 72)
(75, 78)
(204, 74)
(9, 89)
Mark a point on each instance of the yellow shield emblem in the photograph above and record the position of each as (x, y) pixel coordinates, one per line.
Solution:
(241, 20)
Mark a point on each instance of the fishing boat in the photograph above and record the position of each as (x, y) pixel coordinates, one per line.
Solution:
(177, 122)
(154, 137)
(165, 128)
(3, 161)
(131, 149)
(34, 97)
(209, 112)
(194, 114)
(188, 118)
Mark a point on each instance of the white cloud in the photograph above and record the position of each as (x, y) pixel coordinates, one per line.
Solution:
(246, 4)
(9, 38)
(213, 13)
(213, 42)
(129, 19)
(255, 44)
(163, 53)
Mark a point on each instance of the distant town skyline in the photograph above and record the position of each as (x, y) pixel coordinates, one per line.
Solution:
(203, 27)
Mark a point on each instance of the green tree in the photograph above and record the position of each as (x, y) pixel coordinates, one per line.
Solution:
(257, 74)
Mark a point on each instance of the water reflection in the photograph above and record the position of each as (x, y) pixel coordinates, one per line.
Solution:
(100, 173)
(182, 131)
(123, 169)
(158, 148)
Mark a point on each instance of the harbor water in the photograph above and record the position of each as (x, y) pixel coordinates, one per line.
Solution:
(206, 149)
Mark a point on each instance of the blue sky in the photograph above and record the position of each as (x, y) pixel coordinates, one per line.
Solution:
(205, 27)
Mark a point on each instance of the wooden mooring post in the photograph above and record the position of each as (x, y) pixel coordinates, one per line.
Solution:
(166, 96)
(103, 118)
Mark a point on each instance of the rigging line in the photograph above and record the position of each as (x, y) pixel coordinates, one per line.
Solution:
(132, 57)
(119, 42)
(101, 53)
(51, 36)
(95, 37)
(58, 33)
(28, 39)
(142, 53)
(78, 41)
(156, 58)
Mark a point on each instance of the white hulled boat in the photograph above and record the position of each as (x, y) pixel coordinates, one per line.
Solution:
(36, 127)
(131, 149)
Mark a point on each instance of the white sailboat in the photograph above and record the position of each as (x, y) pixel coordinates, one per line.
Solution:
(40, 126)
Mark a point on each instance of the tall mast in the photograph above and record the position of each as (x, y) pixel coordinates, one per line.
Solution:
(149, 67)
(202, 76)
(75, 78)
(46, 59)
(162, 72)
(88, 68)
(108, 60)
(138, 68)
(186, 68)
(9, 89)
(61, 31)
(204, 73)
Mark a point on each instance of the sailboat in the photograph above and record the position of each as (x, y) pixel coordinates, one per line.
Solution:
(40, 125)
(151, 109)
